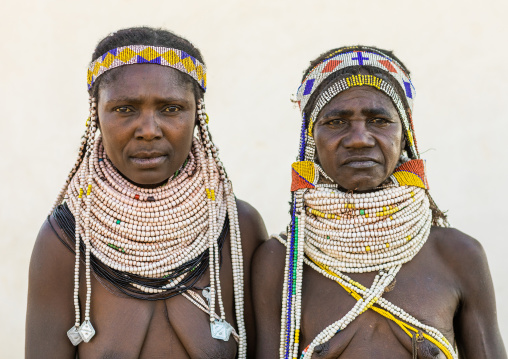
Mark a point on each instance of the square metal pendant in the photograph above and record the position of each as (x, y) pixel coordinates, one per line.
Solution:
(86, 331)
(74, 336)
(221, 330)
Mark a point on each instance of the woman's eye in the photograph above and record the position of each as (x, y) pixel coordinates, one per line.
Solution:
(172, 109)
(336, 122)
(379, 121)
(123, 109)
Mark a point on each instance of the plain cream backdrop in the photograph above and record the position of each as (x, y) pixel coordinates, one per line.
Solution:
(255, 53)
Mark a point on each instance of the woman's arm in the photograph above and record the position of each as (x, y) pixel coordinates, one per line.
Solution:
(50, 309)
(253, 233)
(267, 280)
(475, 323)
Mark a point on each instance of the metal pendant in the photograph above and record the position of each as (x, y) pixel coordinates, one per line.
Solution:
(86, 331)
(74, 336)
(206, 294)
(221, 329)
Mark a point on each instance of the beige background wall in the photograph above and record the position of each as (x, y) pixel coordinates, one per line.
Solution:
(255, 52)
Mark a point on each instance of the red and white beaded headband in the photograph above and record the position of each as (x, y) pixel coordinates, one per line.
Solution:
(351, 58)
(142, 54)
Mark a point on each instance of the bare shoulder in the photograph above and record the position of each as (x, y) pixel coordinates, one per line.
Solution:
(51, 270)
(50, 291)
(267, 278)
(50, 252)
(268, 266)
(271, 250)
(456, 246)
(466, 258)
(463, 254)
(268, 263)
(252, 227)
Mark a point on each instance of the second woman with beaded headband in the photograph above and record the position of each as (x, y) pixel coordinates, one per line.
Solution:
(367, 267)
(146, 252)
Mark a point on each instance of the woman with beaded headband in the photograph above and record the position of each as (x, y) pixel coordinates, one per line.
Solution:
(146, 252)
(368, 265)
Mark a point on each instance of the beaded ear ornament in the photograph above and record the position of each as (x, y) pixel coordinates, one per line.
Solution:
(151, 233)
(337, 232)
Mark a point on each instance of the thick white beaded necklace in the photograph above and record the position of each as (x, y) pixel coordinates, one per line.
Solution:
(355, 233)
(148, 232)
(366, 232)
(152, 232)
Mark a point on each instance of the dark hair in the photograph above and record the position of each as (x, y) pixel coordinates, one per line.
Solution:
(353, 70)
(145, 36)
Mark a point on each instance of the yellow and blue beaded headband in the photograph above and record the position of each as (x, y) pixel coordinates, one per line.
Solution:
(141, 54)
(349, 57)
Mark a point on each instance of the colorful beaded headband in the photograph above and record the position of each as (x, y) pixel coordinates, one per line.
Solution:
(141, 54)
(341, 60)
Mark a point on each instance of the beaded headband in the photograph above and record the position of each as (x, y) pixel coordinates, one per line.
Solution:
(341, 60)
(347, 58)
(141, 54)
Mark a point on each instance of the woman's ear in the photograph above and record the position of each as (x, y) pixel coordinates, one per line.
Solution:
(316, 158)
(402, 143)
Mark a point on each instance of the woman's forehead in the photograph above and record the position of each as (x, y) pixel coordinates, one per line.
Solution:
(360, 98)
(145, 79)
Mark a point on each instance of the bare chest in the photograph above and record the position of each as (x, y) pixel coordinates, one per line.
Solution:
(421, 289)
(173, 328)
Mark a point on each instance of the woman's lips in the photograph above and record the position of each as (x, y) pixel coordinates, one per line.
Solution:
(148, 162)
(361, 164)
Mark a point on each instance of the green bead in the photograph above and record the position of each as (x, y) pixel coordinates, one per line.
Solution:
(362, 212)
(117, 221)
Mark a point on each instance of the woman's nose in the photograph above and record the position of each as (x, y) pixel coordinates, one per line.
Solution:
(358, 136)
(148, 126)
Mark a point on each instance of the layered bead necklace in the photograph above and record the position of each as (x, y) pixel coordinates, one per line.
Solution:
(157, 237)
(340, 232)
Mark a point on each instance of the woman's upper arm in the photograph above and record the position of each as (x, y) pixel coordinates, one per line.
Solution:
(267, 280)
(50, 309)
(253, 233)
(475, 323)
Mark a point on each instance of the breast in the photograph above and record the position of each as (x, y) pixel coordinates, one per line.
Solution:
(371, 335)
(373, 338)
(132, 328)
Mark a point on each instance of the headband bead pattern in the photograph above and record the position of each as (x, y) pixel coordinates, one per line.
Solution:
(354, 58)
(141, 54)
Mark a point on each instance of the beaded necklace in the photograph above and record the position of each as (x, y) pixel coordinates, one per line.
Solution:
(156, 237)
(154, 234)
(338, 233)
(123, 281)
(335, 232)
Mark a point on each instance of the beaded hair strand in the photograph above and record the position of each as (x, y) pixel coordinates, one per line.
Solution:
(79, 160)
(85, 331)
(236, 251)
